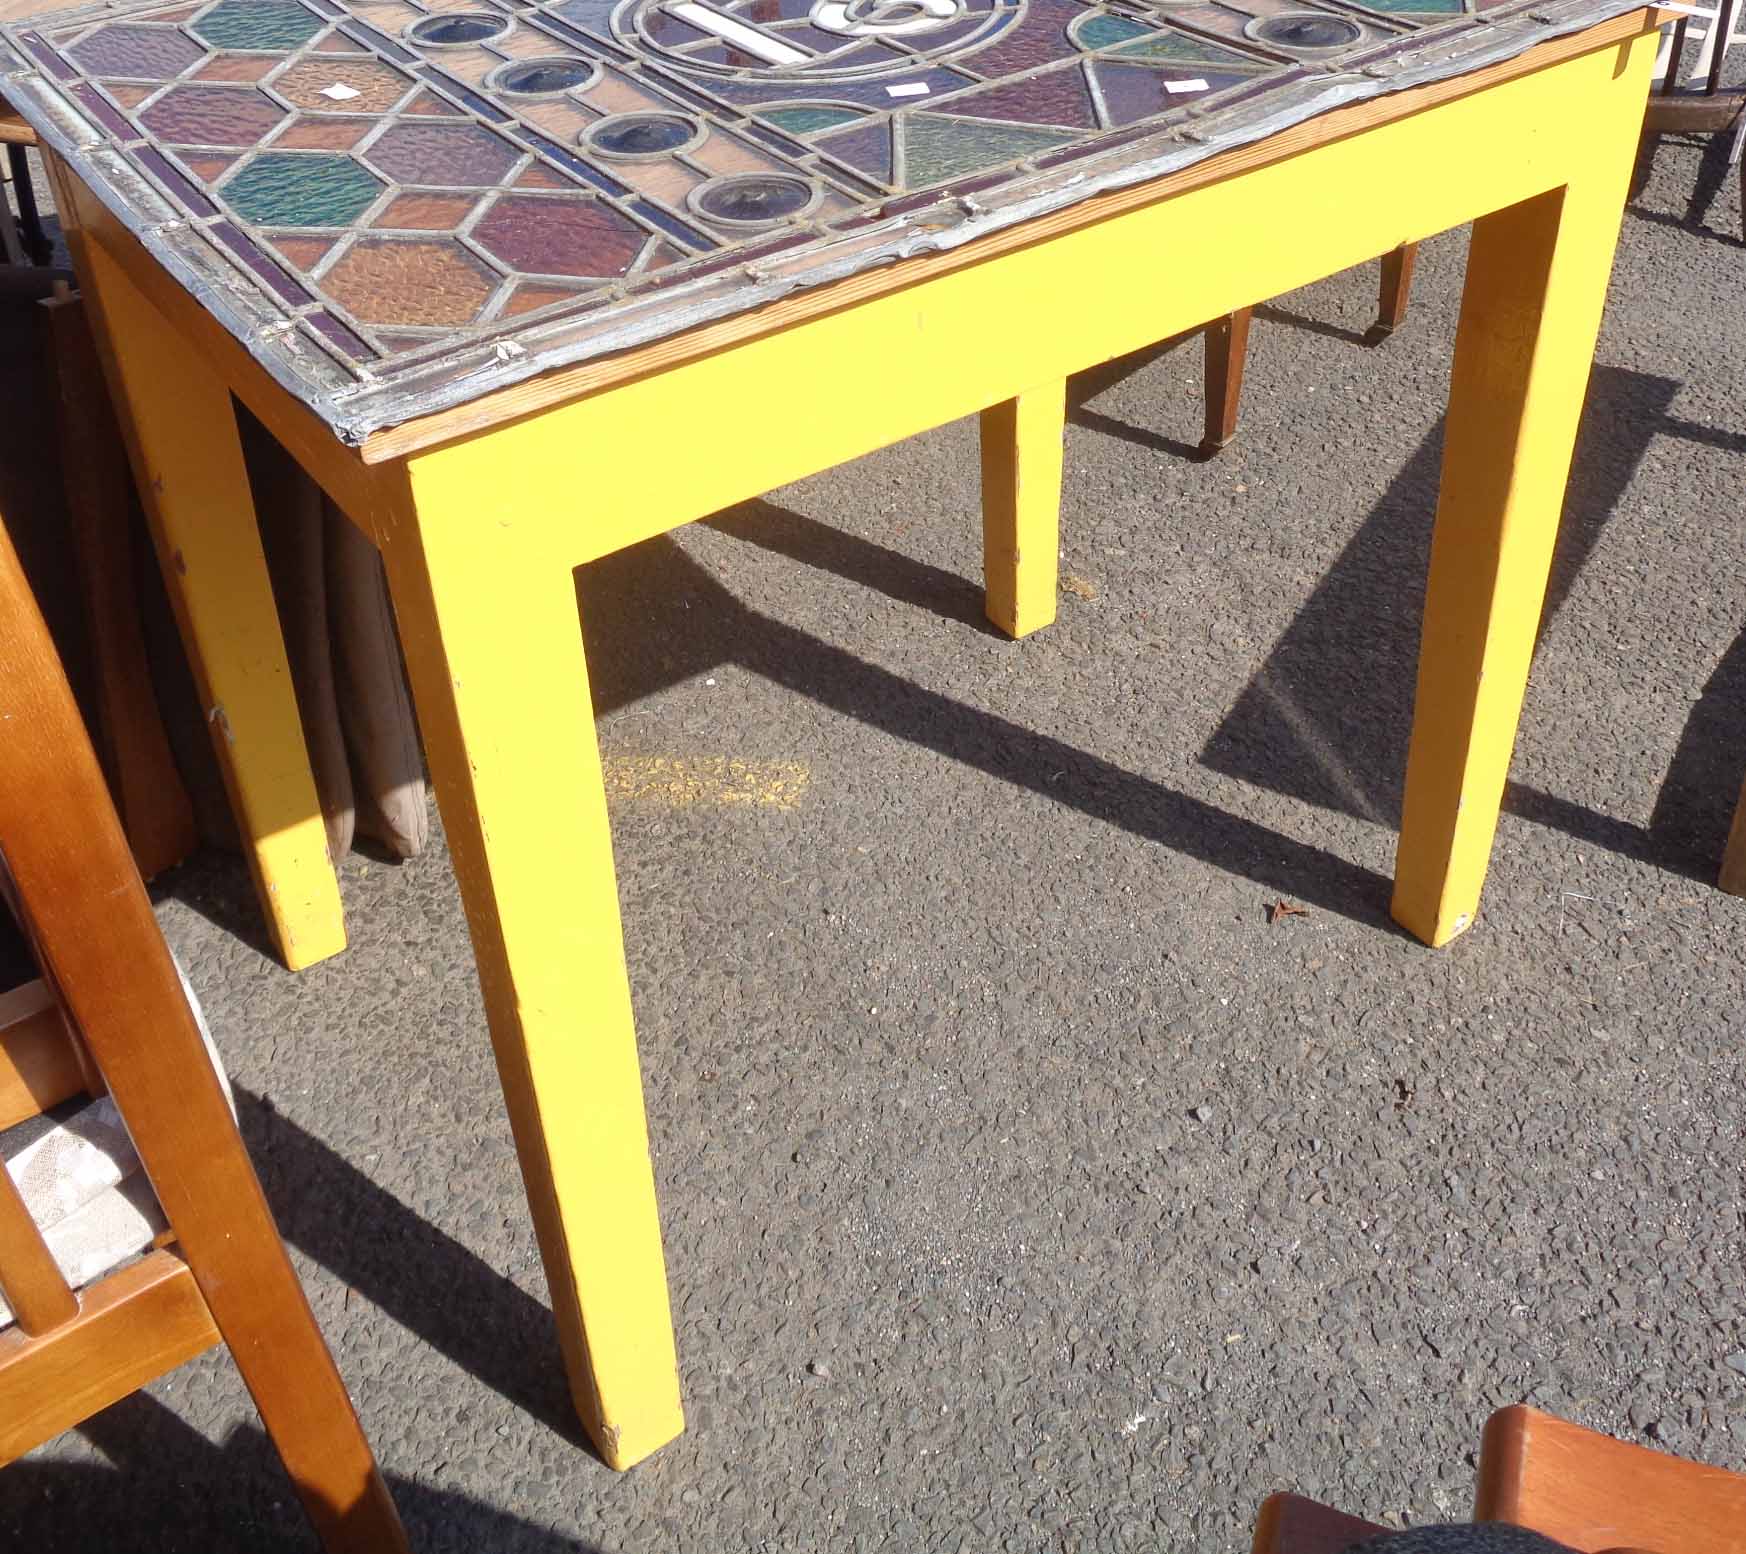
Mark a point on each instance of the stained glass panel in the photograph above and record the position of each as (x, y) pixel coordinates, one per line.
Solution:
(440, 196)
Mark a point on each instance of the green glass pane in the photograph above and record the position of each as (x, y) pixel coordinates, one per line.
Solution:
(292, 190)
(807, 120)
(936, 149)
(1099, 32)
(1177, 45)
(258, 24)
(1419, 7)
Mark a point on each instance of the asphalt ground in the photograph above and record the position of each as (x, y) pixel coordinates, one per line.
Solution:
(1024, 1186)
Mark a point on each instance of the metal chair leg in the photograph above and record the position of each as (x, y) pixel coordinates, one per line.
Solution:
(35, 241)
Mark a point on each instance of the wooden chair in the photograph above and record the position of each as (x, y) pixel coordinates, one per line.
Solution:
(1579, 1488)
(107, 975)
(1597, 1494)
(1704, 107)
(1227, 347)
(27, 237)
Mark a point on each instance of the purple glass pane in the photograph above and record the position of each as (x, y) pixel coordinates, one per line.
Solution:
(1039, 38)
(159, 167)
(867, 148)
(559, 235)
(458, 90)
(277, 281)
(49, 59)
(143, 53)
(1108, 142)
(1055, 97)
(443, 156)
(656, 217)
(336, 334)
(587, 42)
(569, 160)
(786, 144)
(212, 116)
(1132, 92)
(360, 32)
(93, 103)
(750, 254)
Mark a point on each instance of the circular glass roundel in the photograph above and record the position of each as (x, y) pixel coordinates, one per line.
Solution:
(1305, 30)
(457, 27)
(753, 199)
(542, 77)
(642, 134)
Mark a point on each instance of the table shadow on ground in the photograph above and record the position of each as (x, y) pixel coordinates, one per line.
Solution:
(653, 617)
(1327, 717)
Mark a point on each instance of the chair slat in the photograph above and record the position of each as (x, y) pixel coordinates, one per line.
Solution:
(39, 1065)
(36, 1292)
(133, 1326)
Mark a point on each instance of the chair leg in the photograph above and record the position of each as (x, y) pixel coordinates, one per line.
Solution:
(1227, 349)
(1397, 284)
(35, 239)
(11, 249)
(1732, 879)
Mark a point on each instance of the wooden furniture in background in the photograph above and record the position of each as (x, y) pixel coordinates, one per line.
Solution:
(125, 723)
(1705, 109)
(16, 136)
(1227, 346)
(76, 892)
(1602, 1496)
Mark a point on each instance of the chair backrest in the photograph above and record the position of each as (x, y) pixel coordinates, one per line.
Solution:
(1604, 1496)
(106, 968)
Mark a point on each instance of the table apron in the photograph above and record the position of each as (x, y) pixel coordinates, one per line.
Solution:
(660, 451)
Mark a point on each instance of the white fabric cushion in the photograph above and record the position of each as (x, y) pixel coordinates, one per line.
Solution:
(80, 1176)
(118, 1223)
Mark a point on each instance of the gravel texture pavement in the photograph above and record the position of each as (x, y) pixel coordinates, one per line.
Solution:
(1024, 1186)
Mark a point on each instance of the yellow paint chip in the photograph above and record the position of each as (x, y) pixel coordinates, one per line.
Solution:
(682, 781)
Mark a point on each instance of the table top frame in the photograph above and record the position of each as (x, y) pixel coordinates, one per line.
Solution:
(360, 400)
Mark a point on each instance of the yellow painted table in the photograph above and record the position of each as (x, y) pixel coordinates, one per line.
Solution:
(474, 267)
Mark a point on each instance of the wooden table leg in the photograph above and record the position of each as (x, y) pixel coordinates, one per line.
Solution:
(493, 643)
(1536, 282)
(188, 464)
(1021, 507)
(1227, 352)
